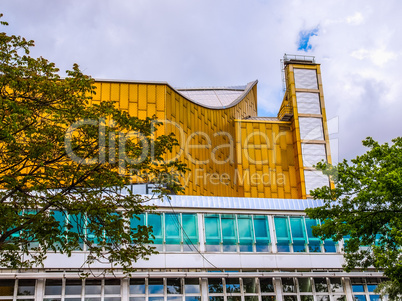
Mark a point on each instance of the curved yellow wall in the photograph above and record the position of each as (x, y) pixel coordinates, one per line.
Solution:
(209, 139)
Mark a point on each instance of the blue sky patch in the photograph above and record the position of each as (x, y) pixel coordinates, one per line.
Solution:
(304, 39)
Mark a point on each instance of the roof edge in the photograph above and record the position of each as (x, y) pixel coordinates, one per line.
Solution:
(249, 86)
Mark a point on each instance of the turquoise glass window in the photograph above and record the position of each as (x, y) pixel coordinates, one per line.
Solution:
(314, 243)
(28, 235)
(283, 238)
(298, 234)
(309, 224)
(91, 236)
(156, 221)
(76, 225)
(137, 220)
(245, 224)
(261, 230)
(212, 229)
(60, 217)
(15, 235)
(229, 236)
(169, 228)
(329, 246)
(250, 232)
(378, 239)
(172, 228)
(190, 228)
(346, 239)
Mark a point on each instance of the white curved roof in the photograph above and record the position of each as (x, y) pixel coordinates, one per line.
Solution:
(216, 97)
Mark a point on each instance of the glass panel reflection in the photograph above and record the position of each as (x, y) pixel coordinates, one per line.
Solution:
(26, 287)
(93, 286)
(111, 299)
(137, 286)
(288, 285)
(267, 298)
(321, 285)
(251, 298)
(155, 286)
(218, 298)
(7, 287)
(73, 287)
(358, 288)
(266, 285)
(174, 286)
(192, 285)
(215, 285)
(336, 285)
(232, 285)
(53, 287)
(193, 298)
(305, 285)
(250, 285)
(112, 286)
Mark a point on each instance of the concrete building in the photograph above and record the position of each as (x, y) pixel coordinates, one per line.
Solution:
(239, 232)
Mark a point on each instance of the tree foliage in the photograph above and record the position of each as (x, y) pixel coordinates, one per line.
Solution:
(365, 208)
(62, 187)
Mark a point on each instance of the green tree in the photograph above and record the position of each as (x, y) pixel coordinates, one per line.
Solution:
(365, 208)
(62, 161)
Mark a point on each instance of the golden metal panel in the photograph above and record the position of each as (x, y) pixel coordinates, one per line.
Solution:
(105, 91)
(123, 96)
(142, 97)
(133, 93)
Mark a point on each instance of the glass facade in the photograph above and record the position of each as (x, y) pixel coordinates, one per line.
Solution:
(363, 289)
(240, 288)
(295, 234)
(236, 232)
(77, 289)
(173, 232)
(165, 289)
(247, 289)
(313, 288)
(179, 232)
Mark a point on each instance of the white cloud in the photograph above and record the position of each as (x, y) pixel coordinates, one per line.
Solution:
(355, 19)
(378, 56)
(230, 42)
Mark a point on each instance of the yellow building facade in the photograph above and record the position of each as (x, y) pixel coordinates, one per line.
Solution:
(229, 150)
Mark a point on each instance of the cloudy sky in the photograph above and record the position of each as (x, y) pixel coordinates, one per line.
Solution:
(232, 42)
